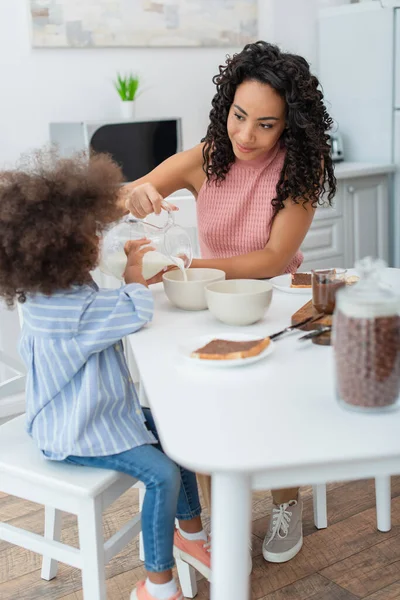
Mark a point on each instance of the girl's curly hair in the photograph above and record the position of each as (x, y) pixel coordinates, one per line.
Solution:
(51, 212)
(308, 170)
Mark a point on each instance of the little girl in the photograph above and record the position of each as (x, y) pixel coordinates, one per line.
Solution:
(81, 404)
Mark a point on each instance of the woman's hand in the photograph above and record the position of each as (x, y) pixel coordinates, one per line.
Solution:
(135, 251)
(144, 199)
(159, 276)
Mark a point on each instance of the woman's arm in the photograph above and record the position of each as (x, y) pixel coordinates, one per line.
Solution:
(180, 171)
(288, 231)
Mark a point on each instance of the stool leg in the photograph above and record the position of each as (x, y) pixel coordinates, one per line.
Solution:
(142, 492)
(90, 525)
(383, 503)
(52, 531)
(320, 510)
(187, 579)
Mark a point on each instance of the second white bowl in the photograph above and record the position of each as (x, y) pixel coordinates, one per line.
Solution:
(239, 301)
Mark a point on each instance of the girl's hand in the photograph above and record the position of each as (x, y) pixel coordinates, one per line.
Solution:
(135, 251)
(144, 200)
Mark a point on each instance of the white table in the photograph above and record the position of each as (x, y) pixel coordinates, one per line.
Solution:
(272, 424)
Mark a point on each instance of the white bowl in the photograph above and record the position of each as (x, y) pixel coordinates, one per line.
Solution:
(190, 294)
(239, 301)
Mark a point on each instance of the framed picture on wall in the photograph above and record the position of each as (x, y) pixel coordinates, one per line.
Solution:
(142, 23)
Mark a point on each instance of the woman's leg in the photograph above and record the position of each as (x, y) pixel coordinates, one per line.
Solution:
(284, 537)
(283, 496)
(205, 486)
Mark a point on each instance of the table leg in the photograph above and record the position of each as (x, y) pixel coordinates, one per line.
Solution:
(231, 529)
(383, 502)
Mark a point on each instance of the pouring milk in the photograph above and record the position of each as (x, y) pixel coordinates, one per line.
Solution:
(153, 262)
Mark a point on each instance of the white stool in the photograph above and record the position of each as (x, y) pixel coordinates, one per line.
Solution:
(85, 492)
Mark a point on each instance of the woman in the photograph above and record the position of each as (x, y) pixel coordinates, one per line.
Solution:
(258, 176)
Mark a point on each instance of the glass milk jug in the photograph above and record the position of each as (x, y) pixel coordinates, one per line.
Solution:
(366, 340)
(172, 246)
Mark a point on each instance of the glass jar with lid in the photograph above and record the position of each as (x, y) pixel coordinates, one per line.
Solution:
(366, 340)
(171, 243)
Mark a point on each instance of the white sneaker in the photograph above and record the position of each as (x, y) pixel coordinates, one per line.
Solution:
(284, 537)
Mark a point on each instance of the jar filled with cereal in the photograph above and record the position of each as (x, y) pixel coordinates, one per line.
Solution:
(366, 340)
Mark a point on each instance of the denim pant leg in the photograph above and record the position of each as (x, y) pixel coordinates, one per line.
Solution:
(163, 481)
(188, 501)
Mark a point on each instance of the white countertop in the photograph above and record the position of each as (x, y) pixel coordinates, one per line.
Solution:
(345, 169)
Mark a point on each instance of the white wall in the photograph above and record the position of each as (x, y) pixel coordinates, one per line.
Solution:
(39, 86)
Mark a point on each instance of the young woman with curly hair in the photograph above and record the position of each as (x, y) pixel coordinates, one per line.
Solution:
(258, 176)
(81, 404)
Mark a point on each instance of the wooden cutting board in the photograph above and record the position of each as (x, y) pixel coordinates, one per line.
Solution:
(309, 311)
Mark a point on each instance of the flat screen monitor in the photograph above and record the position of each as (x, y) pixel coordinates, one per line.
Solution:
(137, 147)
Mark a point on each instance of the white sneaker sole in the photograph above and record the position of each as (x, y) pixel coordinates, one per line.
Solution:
(281, 557)
(193, 562)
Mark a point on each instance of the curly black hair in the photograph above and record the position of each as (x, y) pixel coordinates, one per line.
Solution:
(52, 211)
(307, 172)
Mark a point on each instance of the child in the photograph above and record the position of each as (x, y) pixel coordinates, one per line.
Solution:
(82, 407)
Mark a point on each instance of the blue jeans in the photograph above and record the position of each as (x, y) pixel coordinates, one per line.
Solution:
(171, 492)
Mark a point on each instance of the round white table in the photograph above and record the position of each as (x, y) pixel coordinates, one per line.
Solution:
(275, 423)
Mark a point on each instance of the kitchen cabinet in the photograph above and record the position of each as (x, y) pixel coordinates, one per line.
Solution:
(357, 225)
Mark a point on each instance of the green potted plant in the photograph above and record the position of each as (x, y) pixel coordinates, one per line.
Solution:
(127, 87)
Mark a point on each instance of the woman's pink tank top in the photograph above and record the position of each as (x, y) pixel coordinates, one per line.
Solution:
(235, 218)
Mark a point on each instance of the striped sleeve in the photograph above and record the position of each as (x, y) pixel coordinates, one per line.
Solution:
(110, 315)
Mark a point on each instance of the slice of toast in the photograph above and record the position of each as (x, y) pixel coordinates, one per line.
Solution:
(230, 350)
(301, 280)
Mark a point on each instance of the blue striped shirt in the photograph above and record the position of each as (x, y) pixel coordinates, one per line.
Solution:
(80, 397)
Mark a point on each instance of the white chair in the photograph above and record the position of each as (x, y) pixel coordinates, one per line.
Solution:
(12, 370)
(85, 492)
(12, 390)
(383, 504)
(16, 383)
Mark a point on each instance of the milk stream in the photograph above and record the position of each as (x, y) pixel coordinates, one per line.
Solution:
(153, 263)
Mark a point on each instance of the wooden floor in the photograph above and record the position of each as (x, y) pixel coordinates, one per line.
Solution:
(349, 560)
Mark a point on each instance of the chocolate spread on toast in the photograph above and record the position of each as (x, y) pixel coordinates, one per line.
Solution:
(301, 279)
(226, 346)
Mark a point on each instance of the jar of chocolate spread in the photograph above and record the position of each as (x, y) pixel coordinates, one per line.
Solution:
(325, 284)
(366, 340)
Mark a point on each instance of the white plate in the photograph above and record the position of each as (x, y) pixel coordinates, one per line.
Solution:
(192, 344)
(282, 283)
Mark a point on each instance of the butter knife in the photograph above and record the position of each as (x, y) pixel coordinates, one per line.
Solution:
(291, 327)
(315, 333)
